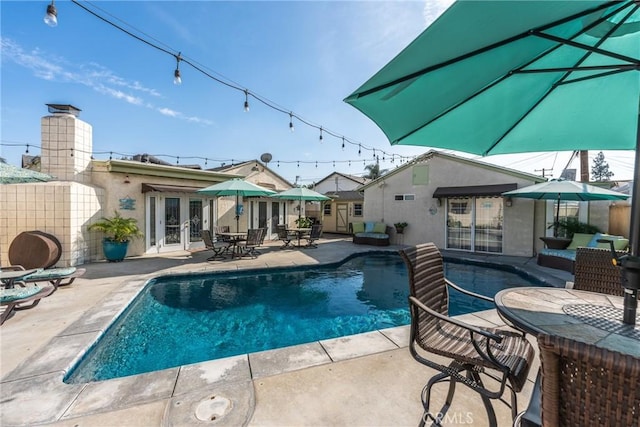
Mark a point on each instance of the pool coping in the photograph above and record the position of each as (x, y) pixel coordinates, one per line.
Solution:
(37, 383)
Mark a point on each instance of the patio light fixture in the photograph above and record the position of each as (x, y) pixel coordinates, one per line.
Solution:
(177, 80)
(51, 17)
(508, 202)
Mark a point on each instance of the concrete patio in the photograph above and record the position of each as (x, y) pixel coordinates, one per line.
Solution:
(362, 380)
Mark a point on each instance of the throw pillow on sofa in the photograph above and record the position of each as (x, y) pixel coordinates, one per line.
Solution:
(357, 227)
(580, 240)
(368, 227)
(380, 227)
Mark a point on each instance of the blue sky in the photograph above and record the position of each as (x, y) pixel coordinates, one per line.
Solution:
(304, 57)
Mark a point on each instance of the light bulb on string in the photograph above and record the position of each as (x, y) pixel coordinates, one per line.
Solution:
(343, 143)
(177, 79)
(320, 134)
(27, 148)
(359, 149)
(51, 17)
(291, 128)
(246, 101)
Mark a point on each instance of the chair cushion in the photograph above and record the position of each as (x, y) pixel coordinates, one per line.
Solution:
(18, 293)
(593, 243)
(580, 240)
(560, 253)
(51, 273)
(379, 227)
(358, 227)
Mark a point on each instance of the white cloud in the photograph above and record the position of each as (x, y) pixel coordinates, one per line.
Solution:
(434, 8)
(93, 75)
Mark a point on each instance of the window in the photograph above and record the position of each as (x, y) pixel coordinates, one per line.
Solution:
(357, 209)
(327, 208)
(405, 197)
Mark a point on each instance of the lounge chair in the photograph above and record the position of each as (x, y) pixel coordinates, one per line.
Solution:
(316, 232)
(473, 350)
(218, 247)
(60, 276)
(22, 298)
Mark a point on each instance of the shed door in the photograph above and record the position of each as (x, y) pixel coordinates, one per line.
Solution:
(342, 220)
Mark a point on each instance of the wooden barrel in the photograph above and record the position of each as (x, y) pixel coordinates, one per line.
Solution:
(35, 249)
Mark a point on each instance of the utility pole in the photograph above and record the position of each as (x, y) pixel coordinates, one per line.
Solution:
(544, 171)
(584, 166)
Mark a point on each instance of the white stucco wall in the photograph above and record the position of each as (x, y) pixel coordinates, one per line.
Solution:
(427, 219)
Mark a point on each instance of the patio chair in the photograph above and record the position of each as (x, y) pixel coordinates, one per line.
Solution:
(284, 236)
(472, 350)
(316, 231)
(248, 247)
(22, 298)
(585, 385)
(595, 272)
(218, 247)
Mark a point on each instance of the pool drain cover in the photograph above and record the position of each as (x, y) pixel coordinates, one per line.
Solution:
(213, 408)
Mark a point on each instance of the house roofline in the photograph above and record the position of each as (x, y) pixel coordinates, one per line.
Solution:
(434, 153)
(150, 169)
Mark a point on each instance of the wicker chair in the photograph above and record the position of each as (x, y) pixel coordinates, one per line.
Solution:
(595, 272)
(472, 349)
(584, 385)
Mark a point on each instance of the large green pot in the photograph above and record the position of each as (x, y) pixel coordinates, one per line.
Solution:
(114, 251)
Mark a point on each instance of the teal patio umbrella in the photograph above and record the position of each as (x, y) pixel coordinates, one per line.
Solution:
(239, 188)
(10, 174)
(493, 77)
(560, 190)
(302, 194)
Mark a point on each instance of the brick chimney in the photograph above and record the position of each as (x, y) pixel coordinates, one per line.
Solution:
(67, 144)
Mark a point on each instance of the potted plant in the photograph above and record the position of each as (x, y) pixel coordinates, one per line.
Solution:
(400, 226)
(118, 231)
(304, 222)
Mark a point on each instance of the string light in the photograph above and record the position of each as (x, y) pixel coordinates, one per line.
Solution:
(177, 80)
(320, 134)
(359, 149)
(27, 152)
(246, 101)
(193, 64)
(51, 17)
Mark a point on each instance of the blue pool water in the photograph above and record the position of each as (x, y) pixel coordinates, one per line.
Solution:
(178, 320)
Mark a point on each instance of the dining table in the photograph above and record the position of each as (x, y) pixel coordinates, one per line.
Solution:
(299, 233)
(589, 317)
(233, 238)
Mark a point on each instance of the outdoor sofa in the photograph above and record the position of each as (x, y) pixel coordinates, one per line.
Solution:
(564, 259)
(370, 233)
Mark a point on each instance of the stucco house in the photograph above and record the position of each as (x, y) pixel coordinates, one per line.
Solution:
(457, 204)
(162, 197)
(346, 204)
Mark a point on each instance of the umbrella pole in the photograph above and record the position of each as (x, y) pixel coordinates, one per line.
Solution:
(631, 263)
(557, 221)
(237, 214)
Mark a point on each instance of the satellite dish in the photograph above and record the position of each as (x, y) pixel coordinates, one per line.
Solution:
(266, 157)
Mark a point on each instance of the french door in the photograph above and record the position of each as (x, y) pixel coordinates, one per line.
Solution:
(475, 224)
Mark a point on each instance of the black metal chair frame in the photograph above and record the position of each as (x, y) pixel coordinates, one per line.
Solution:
(219, 248)
(461, 369)
(316, 232)
(284, 236)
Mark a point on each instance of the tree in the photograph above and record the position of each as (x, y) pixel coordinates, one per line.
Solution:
(373, 171)
(600, 169)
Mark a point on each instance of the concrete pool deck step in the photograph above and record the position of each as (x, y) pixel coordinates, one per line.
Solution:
(367, 379)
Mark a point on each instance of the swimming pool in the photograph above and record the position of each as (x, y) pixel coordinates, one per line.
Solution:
(179, 320)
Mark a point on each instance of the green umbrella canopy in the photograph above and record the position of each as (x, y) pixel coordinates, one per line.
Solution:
(10, 174)
(236, 187)
(494, 77)
(301, 193)
(566, 190)
(560, 190)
